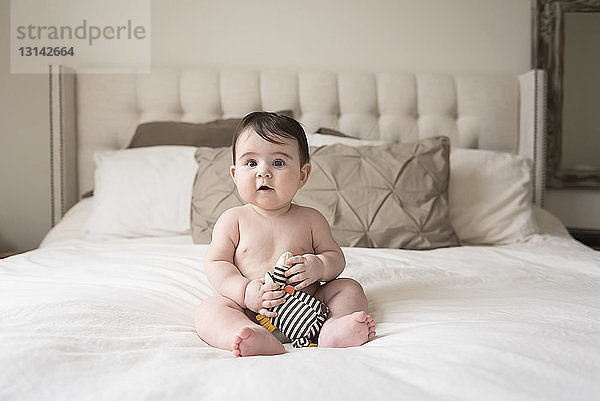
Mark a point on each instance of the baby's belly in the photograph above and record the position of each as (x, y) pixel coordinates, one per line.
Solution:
(253, 270)
(254, 260)
(256, 269)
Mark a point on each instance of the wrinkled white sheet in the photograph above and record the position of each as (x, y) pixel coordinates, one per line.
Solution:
(113, 320)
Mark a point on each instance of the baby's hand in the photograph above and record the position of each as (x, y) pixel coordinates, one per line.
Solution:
(260, 297)
(305, 270)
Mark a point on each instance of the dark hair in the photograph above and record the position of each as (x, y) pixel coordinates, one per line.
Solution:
(270, 126)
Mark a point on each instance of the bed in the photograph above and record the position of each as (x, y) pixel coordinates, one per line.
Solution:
(104, 309)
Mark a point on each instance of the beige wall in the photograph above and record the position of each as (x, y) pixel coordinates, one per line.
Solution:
(432, 35)
(24, 151)
(575, 208)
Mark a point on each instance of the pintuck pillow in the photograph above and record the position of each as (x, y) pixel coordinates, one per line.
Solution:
(213, 191)
(489, 193)
(383, 196)
(390, 195)
(142, 192)
(490, 197)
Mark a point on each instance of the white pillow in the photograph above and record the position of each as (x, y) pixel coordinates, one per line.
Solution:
(322, 139)
(143, 191)
(489, 197)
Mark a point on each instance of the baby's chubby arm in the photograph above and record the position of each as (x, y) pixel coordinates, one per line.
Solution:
(227, 279)
(222, 274)
(325, 264)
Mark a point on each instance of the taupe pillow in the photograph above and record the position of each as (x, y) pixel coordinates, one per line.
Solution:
(213, 191)
(384, 196)
(332, 132)
(213, 134)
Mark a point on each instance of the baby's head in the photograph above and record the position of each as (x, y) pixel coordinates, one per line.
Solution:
(270, 159)
(272, 127)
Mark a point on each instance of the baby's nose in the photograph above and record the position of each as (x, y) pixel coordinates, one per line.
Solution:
(263, 173)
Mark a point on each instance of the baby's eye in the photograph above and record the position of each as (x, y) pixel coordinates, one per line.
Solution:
(278, 163)
(251, 163)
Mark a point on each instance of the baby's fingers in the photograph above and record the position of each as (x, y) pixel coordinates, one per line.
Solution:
(295, 260)
(298, 278)
(267, 313)
(294, 270)
(302, 285)
(273, 294)
(272, 303)
(268, 287)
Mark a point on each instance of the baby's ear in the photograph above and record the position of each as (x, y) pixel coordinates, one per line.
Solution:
(232, 171)
(304, 173)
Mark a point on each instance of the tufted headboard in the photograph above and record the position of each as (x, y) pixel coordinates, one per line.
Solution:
(92, 112)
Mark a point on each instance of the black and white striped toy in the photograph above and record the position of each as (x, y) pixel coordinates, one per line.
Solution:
(301, 316)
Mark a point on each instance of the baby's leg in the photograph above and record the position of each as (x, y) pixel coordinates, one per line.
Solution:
(348, 324)
(221, 323)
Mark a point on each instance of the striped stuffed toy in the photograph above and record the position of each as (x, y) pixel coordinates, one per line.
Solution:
(301, 316)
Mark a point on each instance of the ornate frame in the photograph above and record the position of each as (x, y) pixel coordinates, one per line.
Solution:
(547, 53)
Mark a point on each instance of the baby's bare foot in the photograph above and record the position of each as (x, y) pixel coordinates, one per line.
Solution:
(348, 331)
(256, 341)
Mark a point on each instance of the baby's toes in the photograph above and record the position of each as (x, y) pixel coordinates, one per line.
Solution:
(371, 325)
(235, 347)
(360, 316)
(371, 332)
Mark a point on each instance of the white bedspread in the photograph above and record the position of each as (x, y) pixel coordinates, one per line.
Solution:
(113, 320)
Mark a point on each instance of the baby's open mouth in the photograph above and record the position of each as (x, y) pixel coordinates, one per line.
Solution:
(265, 188)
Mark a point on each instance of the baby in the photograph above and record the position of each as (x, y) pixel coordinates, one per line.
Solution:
(271, 163)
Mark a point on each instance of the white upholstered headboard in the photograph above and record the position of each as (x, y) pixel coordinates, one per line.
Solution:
(92, 112)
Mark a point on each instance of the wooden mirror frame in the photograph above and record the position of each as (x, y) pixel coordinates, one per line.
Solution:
(548, 37)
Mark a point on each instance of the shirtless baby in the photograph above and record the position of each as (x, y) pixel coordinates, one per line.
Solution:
(271, 163)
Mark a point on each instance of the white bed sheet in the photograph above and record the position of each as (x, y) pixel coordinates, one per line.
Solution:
(113, 319)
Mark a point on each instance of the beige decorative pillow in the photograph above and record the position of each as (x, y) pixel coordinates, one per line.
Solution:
(385, 196)
(213, 191)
